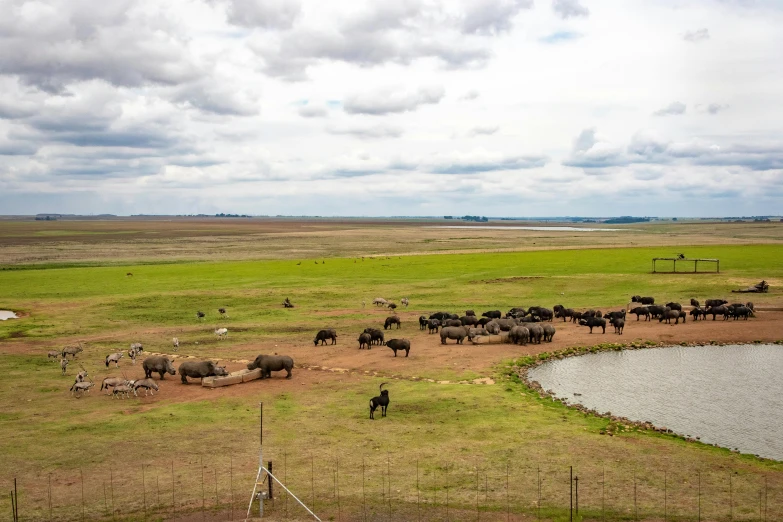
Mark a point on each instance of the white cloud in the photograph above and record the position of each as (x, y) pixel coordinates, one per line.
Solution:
(130, 105)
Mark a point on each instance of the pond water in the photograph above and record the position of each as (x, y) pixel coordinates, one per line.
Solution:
(726, 395)
(543, 229)
(6, 314)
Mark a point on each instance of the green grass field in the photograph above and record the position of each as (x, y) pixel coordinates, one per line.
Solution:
(452, 431)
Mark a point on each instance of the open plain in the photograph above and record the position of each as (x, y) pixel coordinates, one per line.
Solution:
(464, 438)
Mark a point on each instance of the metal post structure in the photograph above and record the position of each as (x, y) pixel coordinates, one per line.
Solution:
(571, 483)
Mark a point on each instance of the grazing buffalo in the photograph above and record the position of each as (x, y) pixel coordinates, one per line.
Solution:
(199, 370)
(643, 300)
(399, 344)
(325, 334)
(440, 316)
(492, 314)
(519, 335)
(390, 321)
(272, 363)
(717, 310)
(158, 364)
(698, 312)
(364, 341)
(715, 302)
(376, 336)
(675, 306)
(433, 325)
(594, 322)
(641, 311)
(615, 315)
(453, 332)
(543, 314)
(742, 311)
(656, 311)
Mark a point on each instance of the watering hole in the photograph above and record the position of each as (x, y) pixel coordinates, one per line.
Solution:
(7, 314)
(731, 396)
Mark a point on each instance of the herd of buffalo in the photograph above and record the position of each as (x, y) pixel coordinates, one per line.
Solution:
(523, 325)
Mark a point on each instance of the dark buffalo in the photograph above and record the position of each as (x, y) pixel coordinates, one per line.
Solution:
(364, 341)
(675, 306)
(543, 314)
(656, 311)
(668, 315)
(433, 325)
(469, 320)
(615, 315)
(199, 370)
(399, 344)
(390, 321)
(594, 322)
(564, 313)
(717, 310)
(619, 324)
(643, 300)
(742, 311)
(376, 336)
(272, 363)
(325, 334)
(506, 324)
(529, 319)
(453, 332)
(484, 320)
(492, 314)
(452, 322)
(641, 311)
(709, 303)
(695, 303)
(422, 322)
(440, 315)
(470, 313)
(158, 364)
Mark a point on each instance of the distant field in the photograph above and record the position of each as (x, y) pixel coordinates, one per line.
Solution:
(452, 430)
(145, 240)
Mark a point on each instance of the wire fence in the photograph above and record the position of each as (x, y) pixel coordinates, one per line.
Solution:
(384, 487)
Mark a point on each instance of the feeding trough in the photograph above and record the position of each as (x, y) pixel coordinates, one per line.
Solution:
(232, 378)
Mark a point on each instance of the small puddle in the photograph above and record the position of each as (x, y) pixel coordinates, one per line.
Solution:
(7, 314)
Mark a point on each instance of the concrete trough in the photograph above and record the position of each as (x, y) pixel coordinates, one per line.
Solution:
(233, 378)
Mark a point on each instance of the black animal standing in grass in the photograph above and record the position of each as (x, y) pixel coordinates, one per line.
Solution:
(200, 314)
(382, 400)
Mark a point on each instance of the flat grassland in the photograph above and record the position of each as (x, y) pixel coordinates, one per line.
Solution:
(69, 282)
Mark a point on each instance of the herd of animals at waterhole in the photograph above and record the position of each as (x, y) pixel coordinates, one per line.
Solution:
(521, 325)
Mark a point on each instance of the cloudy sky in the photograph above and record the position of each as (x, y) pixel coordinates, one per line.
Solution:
(411, 107)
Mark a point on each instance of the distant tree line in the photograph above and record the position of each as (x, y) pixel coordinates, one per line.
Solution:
(626, 219)
(481, 219)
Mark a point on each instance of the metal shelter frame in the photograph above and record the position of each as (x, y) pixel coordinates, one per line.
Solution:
(674, 261)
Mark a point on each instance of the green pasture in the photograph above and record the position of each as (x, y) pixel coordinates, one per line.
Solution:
(450, 430)
(78, 301)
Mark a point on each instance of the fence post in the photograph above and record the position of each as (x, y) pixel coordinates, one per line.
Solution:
(418, 511)
(337, 484)
(731, 499)
(50, 495)
(173, 504)
(576, 491)
(477, 493)
(144, 491)
(203, 495)
(635, 505)
(231, 483)
(364, 497)
(508, 512)
(571, 494)
(538, 476)
(664, 496)
(269, 467)
(699, 494)
(81, 474)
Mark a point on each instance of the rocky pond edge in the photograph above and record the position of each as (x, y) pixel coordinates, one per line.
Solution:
(520, 367)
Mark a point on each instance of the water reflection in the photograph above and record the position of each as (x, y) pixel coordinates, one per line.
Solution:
(728, 395)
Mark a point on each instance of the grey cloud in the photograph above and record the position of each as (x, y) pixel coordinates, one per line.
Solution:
(673, 109)
(312, 111)
(486, 130)
(17, 148)
(368, 132)
(697, 36)
(81, 40)
(470, 95)
(475, 166)
(715, 108)
(593, 155)
(265, 14)
(216, 98)
(492, 16)
(570, 9)
(387, 101)
(385, 32)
